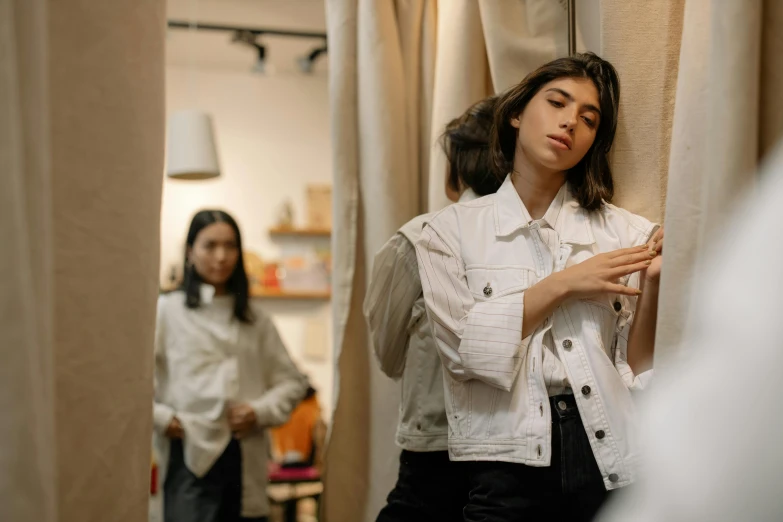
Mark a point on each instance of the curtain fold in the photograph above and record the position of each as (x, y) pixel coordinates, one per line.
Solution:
(642, 40)
(727, 114)
(81, 153)
(28, 487)
(379, 85)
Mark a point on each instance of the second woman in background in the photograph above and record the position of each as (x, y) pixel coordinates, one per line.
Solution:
(429, 486)
(222, 376)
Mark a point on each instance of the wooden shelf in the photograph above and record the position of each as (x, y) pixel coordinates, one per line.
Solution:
(279, 294)
(300, 232)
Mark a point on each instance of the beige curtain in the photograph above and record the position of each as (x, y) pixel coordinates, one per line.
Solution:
(728, 114)
(81, 156)
(380, 82)
(27, 403)
(642, 40)
(398, 72)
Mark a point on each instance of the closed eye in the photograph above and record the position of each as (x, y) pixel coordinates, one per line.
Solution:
(556, 103)
(590, 123)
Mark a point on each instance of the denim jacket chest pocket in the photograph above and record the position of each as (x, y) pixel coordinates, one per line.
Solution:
(488, 282)
(482, 410)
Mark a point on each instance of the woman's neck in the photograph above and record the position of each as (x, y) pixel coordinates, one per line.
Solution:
(536, 185)
(220, 289)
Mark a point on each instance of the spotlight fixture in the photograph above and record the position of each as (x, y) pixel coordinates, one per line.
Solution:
(249, 38)
(307, 62)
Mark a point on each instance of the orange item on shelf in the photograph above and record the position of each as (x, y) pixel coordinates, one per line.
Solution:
(297, 437)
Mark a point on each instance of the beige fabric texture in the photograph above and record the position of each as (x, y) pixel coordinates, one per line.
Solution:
(81, 154)
(642, 40)
(728, 114)
(28, 486)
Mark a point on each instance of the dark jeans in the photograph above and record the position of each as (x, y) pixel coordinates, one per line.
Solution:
(215, 497)
(429, 488)
(571, 489)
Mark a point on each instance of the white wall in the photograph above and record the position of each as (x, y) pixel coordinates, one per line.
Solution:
(272, 135)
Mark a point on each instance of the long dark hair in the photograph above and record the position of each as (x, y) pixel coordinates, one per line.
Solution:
(590, 179)
(466, 144)
(237, 284)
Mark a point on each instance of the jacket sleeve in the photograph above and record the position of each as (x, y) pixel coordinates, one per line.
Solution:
(286, 384)
(388, 306)
(632, 381)
(476, 339)
(162, 414)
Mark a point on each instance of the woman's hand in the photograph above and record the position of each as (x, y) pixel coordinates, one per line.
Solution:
(242, 419)
(653, 272)
(174, 429)
(599, 274)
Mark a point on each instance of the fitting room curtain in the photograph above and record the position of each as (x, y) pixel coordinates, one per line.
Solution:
(728, 115)
(81, 160)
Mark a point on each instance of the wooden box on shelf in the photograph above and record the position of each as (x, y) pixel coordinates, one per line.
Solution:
(319, 206)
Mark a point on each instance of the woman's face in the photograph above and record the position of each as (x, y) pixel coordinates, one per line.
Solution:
(559, 124)
(214, 253)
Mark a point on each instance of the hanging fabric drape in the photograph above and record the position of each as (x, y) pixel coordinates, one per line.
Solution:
(28, 486)
(81, 156)
(728, 114)
(642, 40)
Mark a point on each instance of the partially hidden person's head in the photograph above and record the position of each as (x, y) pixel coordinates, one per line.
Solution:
(562, 118)
(466, 144)
(213, 255)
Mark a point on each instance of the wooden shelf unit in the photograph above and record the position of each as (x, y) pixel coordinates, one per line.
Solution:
(300, 232)
(280, 294)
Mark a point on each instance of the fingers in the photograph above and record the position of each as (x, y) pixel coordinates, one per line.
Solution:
(240, 434)
(625, 270)
(626, 251)
(631, 259)
(656, 242)
(623, 290)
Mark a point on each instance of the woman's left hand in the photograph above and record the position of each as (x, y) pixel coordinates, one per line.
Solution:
(241, 419)
(653, 272)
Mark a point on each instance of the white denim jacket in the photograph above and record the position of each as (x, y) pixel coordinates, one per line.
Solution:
(476, 260)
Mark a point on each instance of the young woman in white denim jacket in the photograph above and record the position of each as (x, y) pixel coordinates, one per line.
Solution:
(429, 487)
(543, 302)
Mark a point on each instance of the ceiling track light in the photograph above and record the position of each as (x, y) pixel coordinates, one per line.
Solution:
(249, 36)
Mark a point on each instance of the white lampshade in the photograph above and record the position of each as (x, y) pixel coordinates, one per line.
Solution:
(191, 146)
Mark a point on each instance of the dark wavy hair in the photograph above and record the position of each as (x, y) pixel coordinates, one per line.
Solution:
(237, 284)
(590, 179)
(466, 144)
